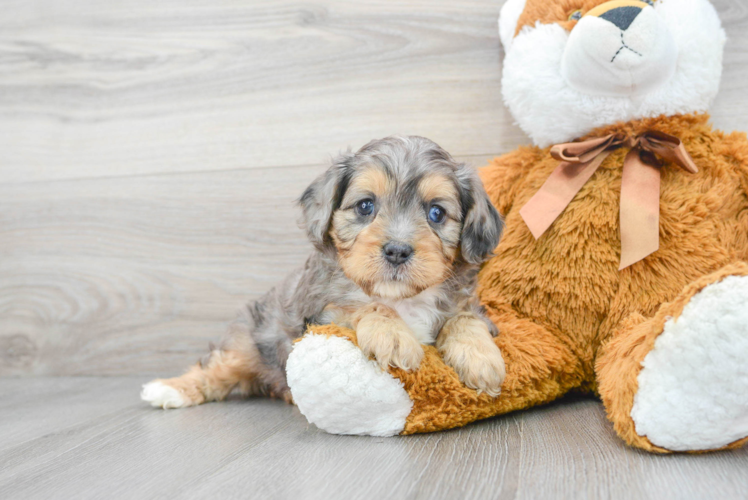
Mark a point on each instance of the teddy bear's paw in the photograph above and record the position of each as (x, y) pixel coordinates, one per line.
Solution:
(338, 389)
(391, 343)
(693, 387)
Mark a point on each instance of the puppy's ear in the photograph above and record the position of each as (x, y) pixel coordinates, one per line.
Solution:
(482, 225)
(321, 199)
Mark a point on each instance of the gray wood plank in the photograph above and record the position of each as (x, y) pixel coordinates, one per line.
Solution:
(570, 450)
(115, 88)
(101, 442)
(37, 406)
(134, 451)
(730, 108)
(137, 275)
(471, 463)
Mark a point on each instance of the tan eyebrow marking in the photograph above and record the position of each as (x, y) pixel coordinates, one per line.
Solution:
(372, 180)
(437, 186)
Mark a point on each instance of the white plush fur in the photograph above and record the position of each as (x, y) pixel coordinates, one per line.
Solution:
(510, 13)
(551, 110)
(693, 388)
(161, 395)
(619, 63)
(342, 392)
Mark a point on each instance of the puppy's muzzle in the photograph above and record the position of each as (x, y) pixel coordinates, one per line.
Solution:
(397, 252)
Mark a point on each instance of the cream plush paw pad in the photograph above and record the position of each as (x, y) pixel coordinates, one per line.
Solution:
(693, 387)
(341, 391)
(161, 395)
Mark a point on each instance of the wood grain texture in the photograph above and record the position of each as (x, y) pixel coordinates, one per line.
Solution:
(150, 153)
(126, 276)
(94, 439)
(93, 89)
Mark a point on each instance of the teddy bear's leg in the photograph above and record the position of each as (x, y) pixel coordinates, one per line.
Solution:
(341, 391)
(679, 381)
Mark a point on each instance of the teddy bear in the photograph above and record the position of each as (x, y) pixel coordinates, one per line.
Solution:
(622, 270)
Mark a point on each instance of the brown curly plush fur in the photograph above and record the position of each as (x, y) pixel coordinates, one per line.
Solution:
(569, 319)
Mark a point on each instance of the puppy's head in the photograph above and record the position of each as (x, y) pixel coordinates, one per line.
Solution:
(399, 214)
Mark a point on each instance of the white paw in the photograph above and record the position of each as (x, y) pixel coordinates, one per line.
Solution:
(341, 391)
(693, 387)
(161, 395)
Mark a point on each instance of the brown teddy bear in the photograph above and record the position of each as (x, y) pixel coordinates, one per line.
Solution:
(592, 287)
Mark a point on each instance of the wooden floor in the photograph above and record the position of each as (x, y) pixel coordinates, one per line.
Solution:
(90, 437)
(150, 155)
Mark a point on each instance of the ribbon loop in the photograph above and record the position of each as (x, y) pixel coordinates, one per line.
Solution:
(582, 152)
(640, 186)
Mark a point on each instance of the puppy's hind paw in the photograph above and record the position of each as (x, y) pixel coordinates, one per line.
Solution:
(160, 395)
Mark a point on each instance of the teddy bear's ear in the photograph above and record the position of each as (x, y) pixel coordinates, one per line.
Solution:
(322, 198)
(508, 18)
(482, 225)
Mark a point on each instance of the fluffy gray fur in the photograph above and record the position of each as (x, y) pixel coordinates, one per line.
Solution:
(271, 323)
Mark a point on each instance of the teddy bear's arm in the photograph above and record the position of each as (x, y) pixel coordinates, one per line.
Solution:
(503, 176)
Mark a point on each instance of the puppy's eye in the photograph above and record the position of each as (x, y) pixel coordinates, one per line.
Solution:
(364, 208)
(436, 214)
(575, 16)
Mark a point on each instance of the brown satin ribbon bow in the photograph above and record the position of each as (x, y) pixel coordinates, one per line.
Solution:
(640, 186)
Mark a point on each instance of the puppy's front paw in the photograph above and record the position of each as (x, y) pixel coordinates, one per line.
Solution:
(389, 340)
(466, 345)
(480, 370)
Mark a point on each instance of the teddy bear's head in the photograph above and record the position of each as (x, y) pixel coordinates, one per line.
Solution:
(574, 65)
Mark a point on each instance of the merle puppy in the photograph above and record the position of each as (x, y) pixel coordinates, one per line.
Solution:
(399, 230)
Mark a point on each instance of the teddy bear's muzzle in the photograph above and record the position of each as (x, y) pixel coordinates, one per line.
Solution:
(620, 48)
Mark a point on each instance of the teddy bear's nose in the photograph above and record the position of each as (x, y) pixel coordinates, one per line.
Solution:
(622, 17)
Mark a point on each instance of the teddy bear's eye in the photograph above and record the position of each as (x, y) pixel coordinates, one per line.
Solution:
(575, 16)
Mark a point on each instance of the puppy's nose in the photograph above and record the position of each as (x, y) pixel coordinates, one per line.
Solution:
(397, 252)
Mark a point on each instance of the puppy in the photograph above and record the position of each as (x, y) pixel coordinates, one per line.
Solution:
(399, 230)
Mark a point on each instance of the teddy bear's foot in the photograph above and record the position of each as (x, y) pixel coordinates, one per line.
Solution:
(341, 391)
(693, 386)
